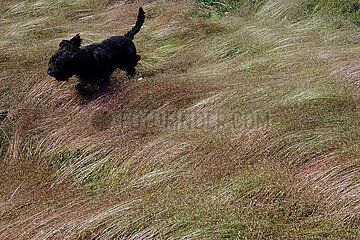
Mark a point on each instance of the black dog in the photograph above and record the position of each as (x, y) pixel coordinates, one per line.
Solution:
(95, 63)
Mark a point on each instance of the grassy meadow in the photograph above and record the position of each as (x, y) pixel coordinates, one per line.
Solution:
(242, 123)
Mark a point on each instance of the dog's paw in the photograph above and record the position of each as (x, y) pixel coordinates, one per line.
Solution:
(80, 86)
(131, 72)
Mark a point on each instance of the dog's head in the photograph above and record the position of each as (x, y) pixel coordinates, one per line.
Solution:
(61, 64)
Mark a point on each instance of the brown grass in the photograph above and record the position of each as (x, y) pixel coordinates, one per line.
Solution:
(236, 127)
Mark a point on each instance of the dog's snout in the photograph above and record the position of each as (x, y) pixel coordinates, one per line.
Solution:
(50, 72)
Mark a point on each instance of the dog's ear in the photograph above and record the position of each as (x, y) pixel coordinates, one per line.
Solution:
(63, 43)
(76, 41)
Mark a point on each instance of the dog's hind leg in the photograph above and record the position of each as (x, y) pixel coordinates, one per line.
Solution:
(105, 81)
(131, 72)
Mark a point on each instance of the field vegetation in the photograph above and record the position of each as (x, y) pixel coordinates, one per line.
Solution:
(242, 123)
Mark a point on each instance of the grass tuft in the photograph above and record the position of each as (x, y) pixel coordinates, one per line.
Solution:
(242, 123)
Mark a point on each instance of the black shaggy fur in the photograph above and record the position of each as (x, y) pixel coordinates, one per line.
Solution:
(95, 63)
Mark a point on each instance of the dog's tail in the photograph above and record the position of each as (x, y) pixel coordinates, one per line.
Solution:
(139, 23)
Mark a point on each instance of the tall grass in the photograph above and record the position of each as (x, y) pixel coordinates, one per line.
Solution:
(238, 126)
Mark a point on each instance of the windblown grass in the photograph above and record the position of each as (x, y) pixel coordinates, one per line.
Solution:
(239, 126)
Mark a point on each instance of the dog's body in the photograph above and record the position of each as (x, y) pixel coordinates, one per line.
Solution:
(95, 63)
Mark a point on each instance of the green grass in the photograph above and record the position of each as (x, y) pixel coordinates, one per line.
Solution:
(242, 124)
(348, 9)
(228, 5)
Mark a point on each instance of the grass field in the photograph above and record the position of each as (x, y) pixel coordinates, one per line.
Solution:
(243, 122)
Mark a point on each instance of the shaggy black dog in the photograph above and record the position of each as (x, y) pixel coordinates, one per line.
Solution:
(95, 63)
